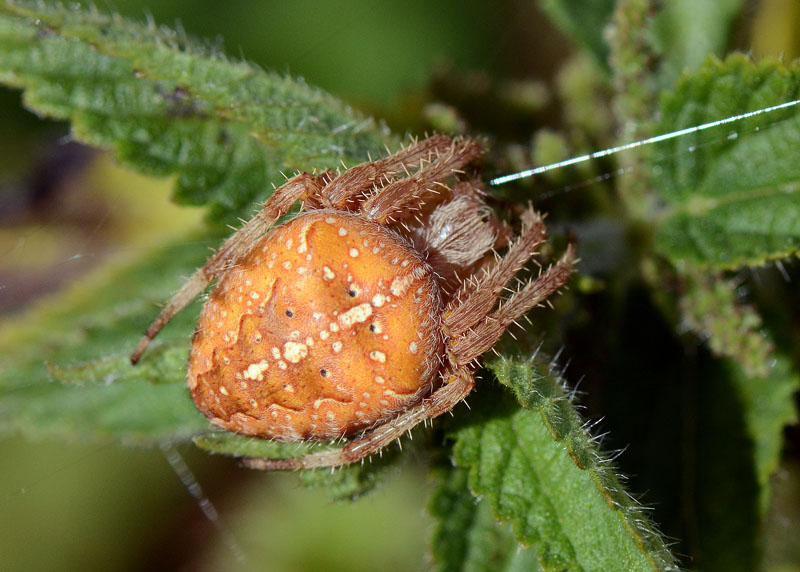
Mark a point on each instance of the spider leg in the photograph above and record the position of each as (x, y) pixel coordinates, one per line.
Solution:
(361, 179)
(476, 298)
(402, 198)
(459, 383)
(487, 331)
(237, 246)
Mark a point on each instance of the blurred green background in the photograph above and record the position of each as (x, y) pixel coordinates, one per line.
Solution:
(64, 209)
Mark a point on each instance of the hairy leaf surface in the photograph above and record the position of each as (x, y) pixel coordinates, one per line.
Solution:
(166, 104)
(467, 536)
(735, 199)
(65, 365)
(538, 468)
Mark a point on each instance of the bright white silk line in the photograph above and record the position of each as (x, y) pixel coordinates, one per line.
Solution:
(658, 138)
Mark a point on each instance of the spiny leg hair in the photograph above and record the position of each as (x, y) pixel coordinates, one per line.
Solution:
(362, 179)
(402, 198)
(482, 337)
(477, 297)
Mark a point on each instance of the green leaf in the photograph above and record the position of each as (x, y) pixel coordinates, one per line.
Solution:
(687, 31)
(538, 468)
(735, 200)
(737, 434)
(769, 407)
(584, 22)
(65, 364)
(167, 105)
(343, 483)
(466, 536)
(763, 382)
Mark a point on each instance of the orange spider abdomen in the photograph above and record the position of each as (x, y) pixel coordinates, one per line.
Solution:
(330, 325)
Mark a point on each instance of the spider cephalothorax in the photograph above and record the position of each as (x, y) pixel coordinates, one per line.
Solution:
(365, 313)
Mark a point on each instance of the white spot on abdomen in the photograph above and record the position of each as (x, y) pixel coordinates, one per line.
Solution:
(294, 352)
(256, 370)
(355, 315)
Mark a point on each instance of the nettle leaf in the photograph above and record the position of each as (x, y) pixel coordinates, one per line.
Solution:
(735, 200)
(736, 425)
(768, 407)
(466, 535)
(687, 31)
(343, 483)
(65, 365)
(538, 468)
(169, 105)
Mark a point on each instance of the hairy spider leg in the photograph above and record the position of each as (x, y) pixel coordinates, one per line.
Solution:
(484, 335)
(477, 297)
(364, 178)
(402, 198)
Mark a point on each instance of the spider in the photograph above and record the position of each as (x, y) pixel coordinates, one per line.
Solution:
(366, 313)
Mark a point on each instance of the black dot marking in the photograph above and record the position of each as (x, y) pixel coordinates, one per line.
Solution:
(353, 292)
(372, 328)
(289, 314)
(323, 372)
